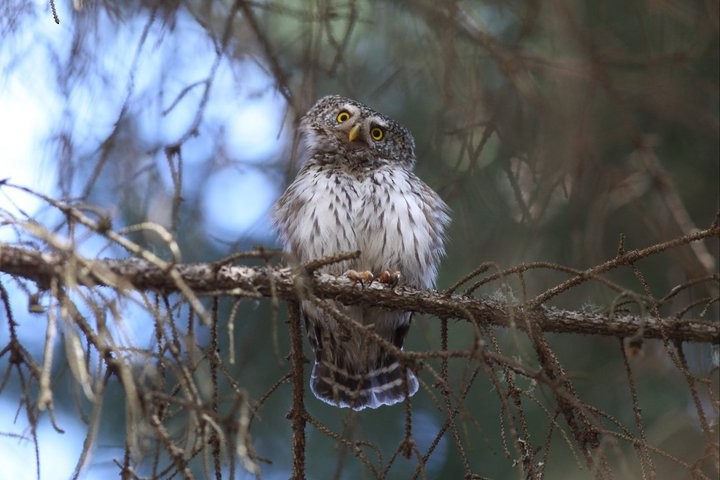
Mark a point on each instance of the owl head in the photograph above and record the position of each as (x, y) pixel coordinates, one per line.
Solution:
(337, 129)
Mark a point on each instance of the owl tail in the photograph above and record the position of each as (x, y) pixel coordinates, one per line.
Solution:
(386, 384)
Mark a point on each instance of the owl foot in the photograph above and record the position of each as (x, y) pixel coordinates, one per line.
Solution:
(389, 278)
(361, 277)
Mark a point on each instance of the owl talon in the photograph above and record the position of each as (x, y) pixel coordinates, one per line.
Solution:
(360, 277)
(389, 278)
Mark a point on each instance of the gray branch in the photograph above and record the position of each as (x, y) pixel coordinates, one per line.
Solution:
(291, 284)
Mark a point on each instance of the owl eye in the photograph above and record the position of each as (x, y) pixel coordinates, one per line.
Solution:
(343, 116)
(377, 133)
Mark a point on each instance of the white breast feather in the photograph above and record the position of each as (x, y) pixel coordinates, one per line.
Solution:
(395, 227)
(398, 235)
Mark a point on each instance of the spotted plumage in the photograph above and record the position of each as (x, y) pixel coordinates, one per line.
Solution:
(356, 191)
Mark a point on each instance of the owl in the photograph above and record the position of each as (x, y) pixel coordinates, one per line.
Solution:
(356, 190)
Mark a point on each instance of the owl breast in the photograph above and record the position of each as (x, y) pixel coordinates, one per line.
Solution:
(388, 214)
(399, 228)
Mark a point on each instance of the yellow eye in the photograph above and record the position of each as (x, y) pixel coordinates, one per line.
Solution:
(377, 133)
(343, 116)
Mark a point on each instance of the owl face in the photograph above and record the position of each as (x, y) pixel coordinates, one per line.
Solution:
(343, 130)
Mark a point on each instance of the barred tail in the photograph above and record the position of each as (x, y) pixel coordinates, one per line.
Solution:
(386, 384)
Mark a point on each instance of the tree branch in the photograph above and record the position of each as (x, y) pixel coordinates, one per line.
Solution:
(268, 281)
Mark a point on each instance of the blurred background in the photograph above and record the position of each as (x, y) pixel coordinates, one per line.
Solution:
(550, 128)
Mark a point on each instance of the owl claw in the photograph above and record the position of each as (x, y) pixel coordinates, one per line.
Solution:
(361, 277)
(389, 278)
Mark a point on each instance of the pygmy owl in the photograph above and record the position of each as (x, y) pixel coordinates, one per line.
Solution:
(356, 191)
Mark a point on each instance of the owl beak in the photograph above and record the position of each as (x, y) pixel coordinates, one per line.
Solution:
(354, 133)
